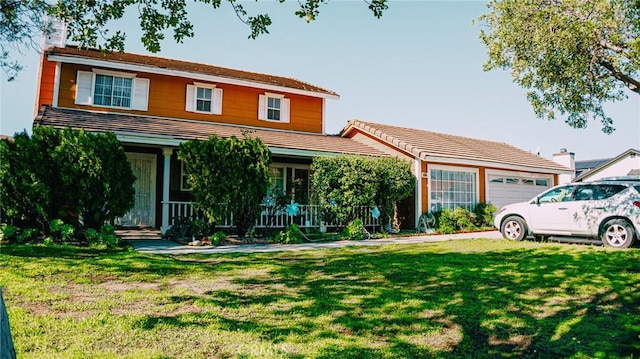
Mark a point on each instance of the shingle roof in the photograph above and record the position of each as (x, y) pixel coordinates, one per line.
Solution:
(177, 129)
(426, 144)
(191, 67)
(589, 164)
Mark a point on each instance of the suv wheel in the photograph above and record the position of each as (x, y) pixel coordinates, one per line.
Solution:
(513, 228)
(617, 233)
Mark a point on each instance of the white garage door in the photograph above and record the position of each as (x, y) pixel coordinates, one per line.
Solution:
(507, 189)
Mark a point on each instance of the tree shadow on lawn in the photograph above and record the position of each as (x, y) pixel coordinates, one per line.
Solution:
(545, 302)
(408, 301)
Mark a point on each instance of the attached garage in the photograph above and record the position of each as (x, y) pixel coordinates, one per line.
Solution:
(505, 188)
(455, 171)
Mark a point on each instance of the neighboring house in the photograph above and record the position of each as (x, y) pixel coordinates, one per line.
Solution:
(153, 104)
(625, 164)
(460, 171)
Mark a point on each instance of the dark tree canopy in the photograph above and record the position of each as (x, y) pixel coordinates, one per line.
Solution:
(571, 55)
(22, 21)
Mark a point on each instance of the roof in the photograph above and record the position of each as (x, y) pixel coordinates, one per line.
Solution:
(589, 164)
(606, 163)
(430, 146)
(174, 131)
(160, 63)
(6, 137)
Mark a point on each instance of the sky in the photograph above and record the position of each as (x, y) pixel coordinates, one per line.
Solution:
(419, 66)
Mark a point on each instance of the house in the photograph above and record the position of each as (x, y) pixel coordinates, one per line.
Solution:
(460, 171)
(625, 164)
(153, 104)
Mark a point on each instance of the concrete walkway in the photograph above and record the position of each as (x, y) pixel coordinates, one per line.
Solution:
(172, 248)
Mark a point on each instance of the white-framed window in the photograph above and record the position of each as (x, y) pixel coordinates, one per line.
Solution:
(204, 98)
(452, 187)
(106, 88)
(273, 107)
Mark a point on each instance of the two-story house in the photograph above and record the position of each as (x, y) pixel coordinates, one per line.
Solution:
(153, 104)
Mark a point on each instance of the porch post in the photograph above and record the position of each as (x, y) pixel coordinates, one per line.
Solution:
(166, 152)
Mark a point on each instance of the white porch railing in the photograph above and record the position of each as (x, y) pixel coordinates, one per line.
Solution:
(308, 216)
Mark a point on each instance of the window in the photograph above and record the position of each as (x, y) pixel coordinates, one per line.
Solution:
(112, 89)
(291, 182)
(560, 194)
(451, 188)
(273, 107)
(204, 98)
(542, 182)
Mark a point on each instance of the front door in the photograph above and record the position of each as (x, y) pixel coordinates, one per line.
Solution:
(143, 213)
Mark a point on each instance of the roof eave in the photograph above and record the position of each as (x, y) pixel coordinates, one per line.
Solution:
(80, 60)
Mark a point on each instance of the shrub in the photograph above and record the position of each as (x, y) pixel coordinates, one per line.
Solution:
(230, 171)
(27, 235)
(484, 214)
(445, 222)
(462, 219)
(353, 231)
(8, 232)
(61, 232)
(217, 238)
(292, 235)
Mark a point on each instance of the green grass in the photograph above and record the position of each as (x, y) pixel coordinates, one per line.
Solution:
(473, 298)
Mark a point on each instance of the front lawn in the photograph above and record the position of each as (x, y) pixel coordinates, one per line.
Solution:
(472, 298)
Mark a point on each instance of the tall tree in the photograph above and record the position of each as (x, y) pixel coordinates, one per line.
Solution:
(572, 55)
(88, 22)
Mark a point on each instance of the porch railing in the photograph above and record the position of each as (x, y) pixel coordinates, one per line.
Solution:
(308, 216)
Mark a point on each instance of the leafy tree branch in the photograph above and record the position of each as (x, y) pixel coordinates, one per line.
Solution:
(572, 55)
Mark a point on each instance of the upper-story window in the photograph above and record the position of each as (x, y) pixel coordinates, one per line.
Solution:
(112, 89)
(204, 98)
(273, 107)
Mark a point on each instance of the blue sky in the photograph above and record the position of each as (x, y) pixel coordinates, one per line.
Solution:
(419, 66)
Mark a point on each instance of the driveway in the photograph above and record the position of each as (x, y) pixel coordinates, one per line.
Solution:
(172, 248)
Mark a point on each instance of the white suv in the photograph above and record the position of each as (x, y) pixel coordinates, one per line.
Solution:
(605, 209)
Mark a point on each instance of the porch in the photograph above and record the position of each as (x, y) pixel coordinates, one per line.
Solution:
(308, 216)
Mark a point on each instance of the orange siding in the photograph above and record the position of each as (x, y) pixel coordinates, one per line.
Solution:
(482, 186)
(167, 96)
(47, 81)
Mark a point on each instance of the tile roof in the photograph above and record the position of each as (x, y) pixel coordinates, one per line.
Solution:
(192, 67)
(428, 144)
(176, 129)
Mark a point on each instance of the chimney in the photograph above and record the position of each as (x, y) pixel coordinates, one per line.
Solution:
(55, 33)
(567, 159)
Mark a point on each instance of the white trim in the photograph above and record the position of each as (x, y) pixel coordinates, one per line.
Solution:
(128, 137)
(324, 116)
(178, 73)
(274, 95)
(501, 165)
(417, 167)
(127, 75)
(56, 84)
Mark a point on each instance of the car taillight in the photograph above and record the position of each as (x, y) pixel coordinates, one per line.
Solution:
(637, 204)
